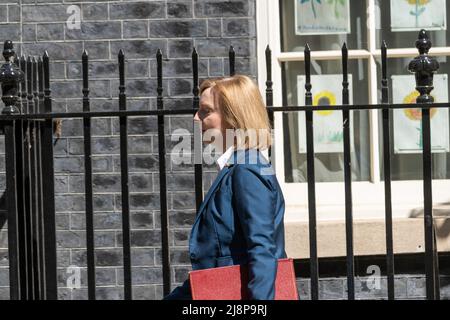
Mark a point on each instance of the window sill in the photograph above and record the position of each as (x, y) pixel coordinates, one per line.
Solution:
(369, 237)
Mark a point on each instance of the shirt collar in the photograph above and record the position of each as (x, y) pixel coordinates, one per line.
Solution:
(223, 159)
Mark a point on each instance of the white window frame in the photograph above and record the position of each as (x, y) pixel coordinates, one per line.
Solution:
(368, 196)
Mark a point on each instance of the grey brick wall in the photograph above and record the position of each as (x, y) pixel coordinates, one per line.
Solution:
(139, 28)
(407, 287)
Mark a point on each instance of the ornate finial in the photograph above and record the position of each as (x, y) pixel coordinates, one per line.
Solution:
(10, 76)
(8, 50)
(423, 43)
(424, 67)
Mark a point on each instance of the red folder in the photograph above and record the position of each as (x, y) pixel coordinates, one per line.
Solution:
(230, 282)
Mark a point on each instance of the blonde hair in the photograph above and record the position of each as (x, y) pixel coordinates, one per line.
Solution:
(242, 109)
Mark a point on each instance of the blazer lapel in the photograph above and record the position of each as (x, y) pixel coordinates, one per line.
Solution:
(216, 182)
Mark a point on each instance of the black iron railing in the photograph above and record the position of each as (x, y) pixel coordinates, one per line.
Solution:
(27, 120)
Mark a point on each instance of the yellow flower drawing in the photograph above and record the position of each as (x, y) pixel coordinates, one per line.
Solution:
(419, 2)
(324, 98)
(415, 114)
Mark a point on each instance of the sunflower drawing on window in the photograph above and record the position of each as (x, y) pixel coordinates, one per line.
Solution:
(415, 114)
(420, 7)
(324, 98)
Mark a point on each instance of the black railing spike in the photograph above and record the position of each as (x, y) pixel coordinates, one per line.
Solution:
(163, 180)
(269, 82)
(41, 84)
(387, 175)
(29, 75)
(232, 60)
(23, 85)
(121, 59)
(307, 48)
(195, 89)
(159, 72)
(35, 83)
(269, 94)
(383, 59)
(307, 53)
(85, 73)
(314, 263)
(347, 178)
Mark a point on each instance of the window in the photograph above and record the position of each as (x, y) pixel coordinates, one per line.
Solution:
(369, 22)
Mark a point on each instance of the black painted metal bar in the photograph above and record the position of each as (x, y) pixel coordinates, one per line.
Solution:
(51, 290)
(348, 179)
(424, 67)
(28, 185)
(428, 204)
(11, 206)
(129, 113)
(269, 93)
(20, 180)
(127, 278)
(34, 187)
(232, 60)
(40, 107)
(387, 175)
(9, 79)
(89, 199)
(198, 145)
(314, 263)
(163, 181)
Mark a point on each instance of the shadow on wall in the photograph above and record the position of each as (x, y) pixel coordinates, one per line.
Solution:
(441, 211)
(57, 132)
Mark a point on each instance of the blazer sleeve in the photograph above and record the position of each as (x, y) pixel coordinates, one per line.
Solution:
(254, 202)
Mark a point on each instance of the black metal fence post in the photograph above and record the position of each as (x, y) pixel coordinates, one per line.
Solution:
(48, 189)
(163, 179)
(40, 106)
(89, 205)
(387, 175)
(126, 234)
(348, 178)
(309, 121)
(424, 66)
(20, 133)
(10, 76)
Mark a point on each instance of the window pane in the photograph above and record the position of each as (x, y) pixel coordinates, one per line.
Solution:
(356, 39)
(422, 13)
(326, 90)
(407, 164)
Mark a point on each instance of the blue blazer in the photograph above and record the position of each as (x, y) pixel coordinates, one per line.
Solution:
(240, 221)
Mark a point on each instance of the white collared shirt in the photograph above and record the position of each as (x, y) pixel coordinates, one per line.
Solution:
(223, 159)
